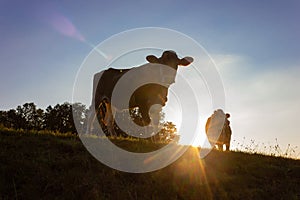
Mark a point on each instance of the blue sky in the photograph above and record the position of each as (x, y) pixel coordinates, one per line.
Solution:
(255, 45)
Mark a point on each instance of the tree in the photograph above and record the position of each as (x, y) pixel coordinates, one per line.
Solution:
(15, 120)
(50, 119)
(79, 114)
(39, 118)
(31, 117)
(168, 133)
(8, 118)
(61, 117)
(3, 118)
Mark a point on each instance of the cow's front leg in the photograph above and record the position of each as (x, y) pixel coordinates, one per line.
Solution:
(148, 131)
(227, 146)
(145, 116)
(154, 113)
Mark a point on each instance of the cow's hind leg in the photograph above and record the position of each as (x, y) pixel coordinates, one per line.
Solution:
(220, 147)
(109, 119)
(101, 110)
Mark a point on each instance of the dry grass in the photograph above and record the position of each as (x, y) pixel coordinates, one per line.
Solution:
(254, 147)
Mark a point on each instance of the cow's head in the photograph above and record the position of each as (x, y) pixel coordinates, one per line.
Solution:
(156, 94)
(171, 59)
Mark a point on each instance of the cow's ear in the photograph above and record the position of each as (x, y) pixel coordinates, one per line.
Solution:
(152, 59)
(185, 61)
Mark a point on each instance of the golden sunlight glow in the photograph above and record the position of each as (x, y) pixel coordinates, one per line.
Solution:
(193, 170)
(173, 114)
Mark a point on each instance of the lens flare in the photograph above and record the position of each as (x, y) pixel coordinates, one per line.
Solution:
(107, 57)
(65, 27)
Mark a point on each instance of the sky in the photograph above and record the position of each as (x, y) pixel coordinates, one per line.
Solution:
(254, 44)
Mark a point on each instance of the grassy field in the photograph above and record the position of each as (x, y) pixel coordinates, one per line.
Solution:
(54, 166)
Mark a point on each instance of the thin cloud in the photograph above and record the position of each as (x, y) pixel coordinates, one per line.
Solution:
(264, 105)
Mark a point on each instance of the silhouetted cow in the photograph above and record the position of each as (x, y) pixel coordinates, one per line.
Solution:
(218, 130)
(158, 75)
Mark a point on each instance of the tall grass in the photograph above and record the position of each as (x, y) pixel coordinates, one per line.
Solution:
(6, 130)
(248, 146)
(269, 149)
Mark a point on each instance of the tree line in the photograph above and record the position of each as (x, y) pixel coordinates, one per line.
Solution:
(29, 117)
(61, 118)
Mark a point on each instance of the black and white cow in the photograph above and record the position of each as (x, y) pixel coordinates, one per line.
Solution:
(157, 78)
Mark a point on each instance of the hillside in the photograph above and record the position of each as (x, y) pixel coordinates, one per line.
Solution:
(45, 166)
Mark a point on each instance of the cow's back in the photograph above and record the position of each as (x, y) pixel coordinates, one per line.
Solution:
(104, 83)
